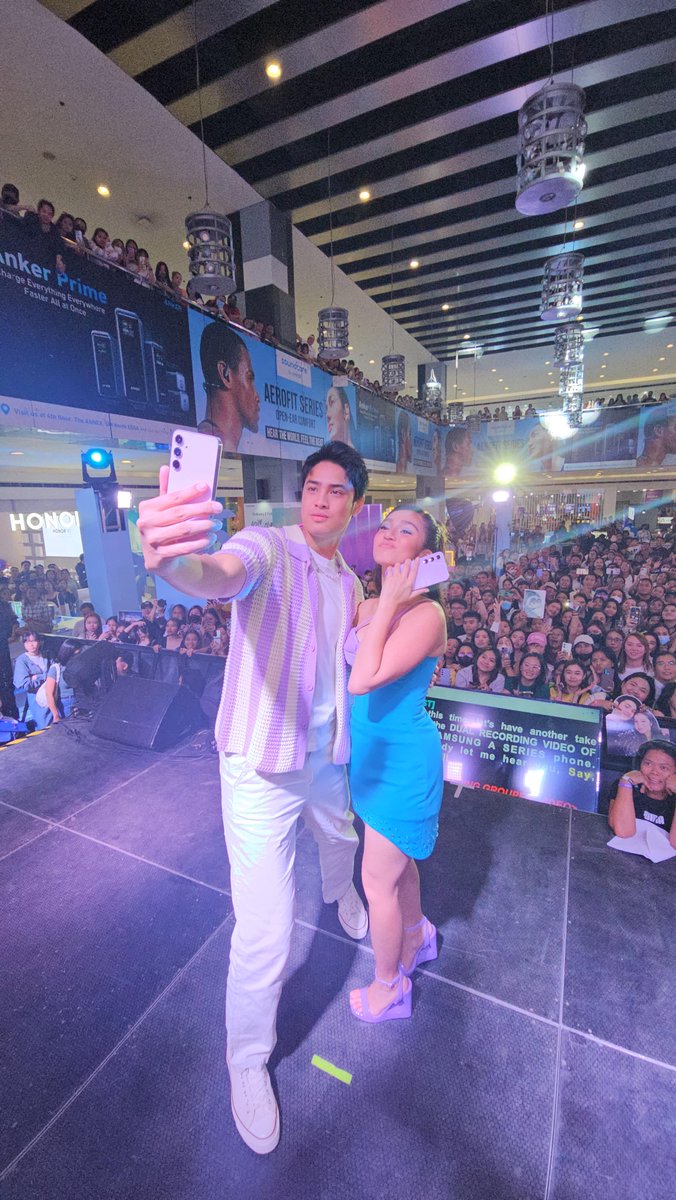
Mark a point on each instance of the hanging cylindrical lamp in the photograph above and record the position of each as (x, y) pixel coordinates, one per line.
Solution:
(571, 379)
(569, 344)
(550, 158)
(333, 332)
(211, 258)
(562, 287)
(572, 408)
(393, 372)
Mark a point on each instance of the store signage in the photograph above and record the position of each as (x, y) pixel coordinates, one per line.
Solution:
(55, 521)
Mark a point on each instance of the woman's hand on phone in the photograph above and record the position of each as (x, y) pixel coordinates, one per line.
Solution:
(398, 587)
(177, 523)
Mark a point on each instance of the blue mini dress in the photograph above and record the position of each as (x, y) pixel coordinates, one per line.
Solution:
(396, 775)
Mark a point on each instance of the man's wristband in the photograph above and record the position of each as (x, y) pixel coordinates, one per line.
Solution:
(625, 779)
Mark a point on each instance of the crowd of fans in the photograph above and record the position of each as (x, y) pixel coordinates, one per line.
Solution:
(56, 238)
(43, 595)
(67, 234)
(607, 637)
(516, 412)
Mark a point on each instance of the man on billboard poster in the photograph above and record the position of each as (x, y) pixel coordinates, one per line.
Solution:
(233, 404)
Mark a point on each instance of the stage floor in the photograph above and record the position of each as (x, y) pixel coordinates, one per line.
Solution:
(540, 1061)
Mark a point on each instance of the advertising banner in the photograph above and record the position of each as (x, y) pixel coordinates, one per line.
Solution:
(419, 445)
(89, 337)
(610, 438)
(537, 749)
(375, 428)
(261, 400)
(618, 437)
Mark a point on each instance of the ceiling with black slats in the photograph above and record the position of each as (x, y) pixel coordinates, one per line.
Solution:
(417, 101)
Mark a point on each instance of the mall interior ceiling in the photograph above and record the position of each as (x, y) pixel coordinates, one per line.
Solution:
(417, 105)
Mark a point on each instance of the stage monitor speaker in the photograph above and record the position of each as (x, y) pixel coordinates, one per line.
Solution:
(147, 713)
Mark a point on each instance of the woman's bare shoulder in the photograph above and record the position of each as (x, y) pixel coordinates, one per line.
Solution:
(427, 614)
(365, 610)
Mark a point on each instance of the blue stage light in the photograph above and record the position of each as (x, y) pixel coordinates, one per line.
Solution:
(97, 458)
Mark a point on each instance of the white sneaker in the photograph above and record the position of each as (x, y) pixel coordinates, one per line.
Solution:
(254, 1108)
(352, 914)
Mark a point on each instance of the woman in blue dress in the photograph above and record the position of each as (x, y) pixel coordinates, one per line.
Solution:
(396, 776)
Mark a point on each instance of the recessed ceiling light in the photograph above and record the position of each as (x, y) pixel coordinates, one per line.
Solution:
(663, 358)
(186, 245)
(103, 190)
(501, 381)
(605, 353)
(126, 462)
(273, 70)
(16, 453)
(465, 337)
(364, 195)
(654, 370)
(494, 369)
(413, 264)
(670, 345)
(349, 347)
(445, 307)
(547, 361)
(578, 225)
(372, 362)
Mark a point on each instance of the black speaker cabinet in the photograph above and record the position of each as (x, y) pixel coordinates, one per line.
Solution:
(147, 713)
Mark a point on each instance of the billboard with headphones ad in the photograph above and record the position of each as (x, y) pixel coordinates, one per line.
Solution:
(89, 337)
(259, 399)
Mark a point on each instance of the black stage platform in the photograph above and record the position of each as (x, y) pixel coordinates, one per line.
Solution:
(540, 1061)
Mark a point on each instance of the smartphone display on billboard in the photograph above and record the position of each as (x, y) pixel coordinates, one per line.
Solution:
(130, 339)
(104, 363)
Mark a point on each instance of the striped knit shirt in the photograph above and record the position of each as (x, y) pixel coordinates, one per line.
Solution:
(270, 671)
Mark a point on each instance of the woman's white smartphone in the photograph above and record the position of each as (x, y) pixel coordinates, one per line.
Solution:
(432, 569)
(195, 458)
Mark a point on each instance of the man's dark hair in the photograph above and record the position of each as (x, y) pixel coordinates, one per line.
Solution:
(219, 343)
(47, 202)
(344, 456)
(10, 193)
(471, 612)
(99, 229)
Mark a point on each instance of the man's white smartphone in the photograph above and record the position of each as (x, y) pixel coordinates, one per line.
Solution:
(432, 569)
(195, 458)
(567, 647)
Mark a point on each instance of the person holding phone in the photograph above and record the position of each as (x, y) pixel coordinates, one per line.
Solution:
(282, 731)
(396, 771)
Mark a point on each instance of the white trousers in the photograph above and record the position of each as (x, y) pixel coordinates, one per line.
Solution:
(260, 814)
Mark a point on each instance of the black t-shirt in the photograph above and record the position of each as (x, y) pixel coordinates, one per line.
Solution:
(538, 691)
(659, 812)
